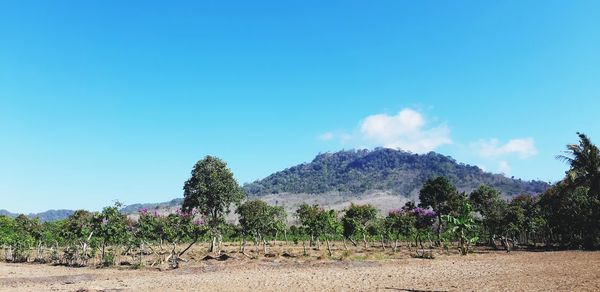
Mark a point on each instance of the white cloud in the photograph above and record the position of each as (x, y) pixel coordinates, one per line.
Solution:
(503, 167)
(405, 130)
(523, 147)
(328, 136)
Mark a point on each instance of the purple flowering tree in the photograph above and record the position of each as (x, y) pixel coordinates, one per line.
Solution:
(400, 222)
(424, 219)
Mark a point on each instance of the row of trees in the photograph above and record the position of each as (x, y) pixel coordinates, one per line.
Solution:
(566, 215)
(85, 235)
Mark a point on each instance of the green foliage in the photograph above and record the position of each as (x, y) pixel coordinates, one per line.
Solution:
(572, 215)
(440, 195)
(357, 219)
(309, 218)
(463, 227)
(77, 227)
(328, 223)
(258, 218)
(110, 225)
(491, 207)
(360, 171)
(437, 194)
(576, 199)
(400, 223)
(584, 159)
(150, 227)
(7, 230)
(318, 222)
(174, 228)
(211, 190)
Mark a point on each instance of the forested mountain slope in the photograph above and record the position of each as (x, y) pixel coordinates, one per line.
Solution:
(382, 169)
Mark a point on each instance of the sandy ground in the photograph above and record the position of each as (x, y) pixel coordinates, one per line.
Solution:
(486, 271)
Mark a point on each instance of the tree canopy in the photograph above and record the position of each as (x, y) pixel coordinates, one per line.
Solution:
(211, 190)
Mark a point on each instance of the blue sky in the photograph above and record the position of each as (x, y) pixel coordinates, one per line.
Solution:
(105, 100)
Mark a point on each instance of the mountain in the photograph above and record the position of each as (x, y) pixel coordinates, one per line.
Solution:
(53, 215)
(50, 215)
(382, 177)
(131, 209)
(396, 172)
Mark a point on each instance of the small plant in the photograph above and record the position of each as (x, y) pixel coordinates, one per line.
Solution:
(108, 259)
(137, 266)
(346, 254)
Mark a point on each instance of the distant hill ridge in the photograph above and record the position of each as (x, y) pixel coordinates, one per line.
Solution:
(399, 172)
(53, 215)
(50, 215)
(355, 172)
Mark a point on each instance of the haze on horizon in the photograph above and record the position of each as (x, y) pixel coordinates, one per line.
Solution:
(111, 100)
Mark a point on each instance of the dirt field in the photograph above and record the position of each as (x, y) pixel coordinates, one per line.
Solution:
(484, 271)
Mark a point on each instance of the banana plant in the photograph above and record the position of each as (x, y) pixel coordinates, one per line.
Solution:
(463, 227)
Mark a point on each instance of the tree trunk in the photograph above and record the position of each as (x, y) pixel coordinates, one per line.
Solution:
(463, 248)
(396, 245)
(189, 246)
(345, 246)
(213, 244)
(382, 242)
(439, 229)
(102, 254)
(264, 246)
(328, 247)
(365, 239)
(142, 254)
(430, 242)
(353, 241)
(220, 243)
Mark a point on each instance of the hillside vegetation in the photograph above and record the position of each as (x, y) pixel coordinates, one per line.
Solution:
(395, 171)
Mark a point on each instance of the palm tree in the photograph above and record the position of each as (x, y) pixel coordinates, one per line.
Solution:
(585, 165)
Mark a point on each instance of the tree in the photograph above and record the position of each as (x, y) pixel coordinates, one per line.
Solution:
(491, 207)
(512, 224)
(319, 223)
(400, 222)
(7, 230)
(278, 221)
(26, 232)
(211, 190)
(437, 194)
(78, 234)
(256, 217)
(328, 225)
(423, 221)
(308, 217)
(357, 219)
(180, 227)
(584, 159)
(570, 215)
(111, 226)
(583, 180)
(533, 221)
